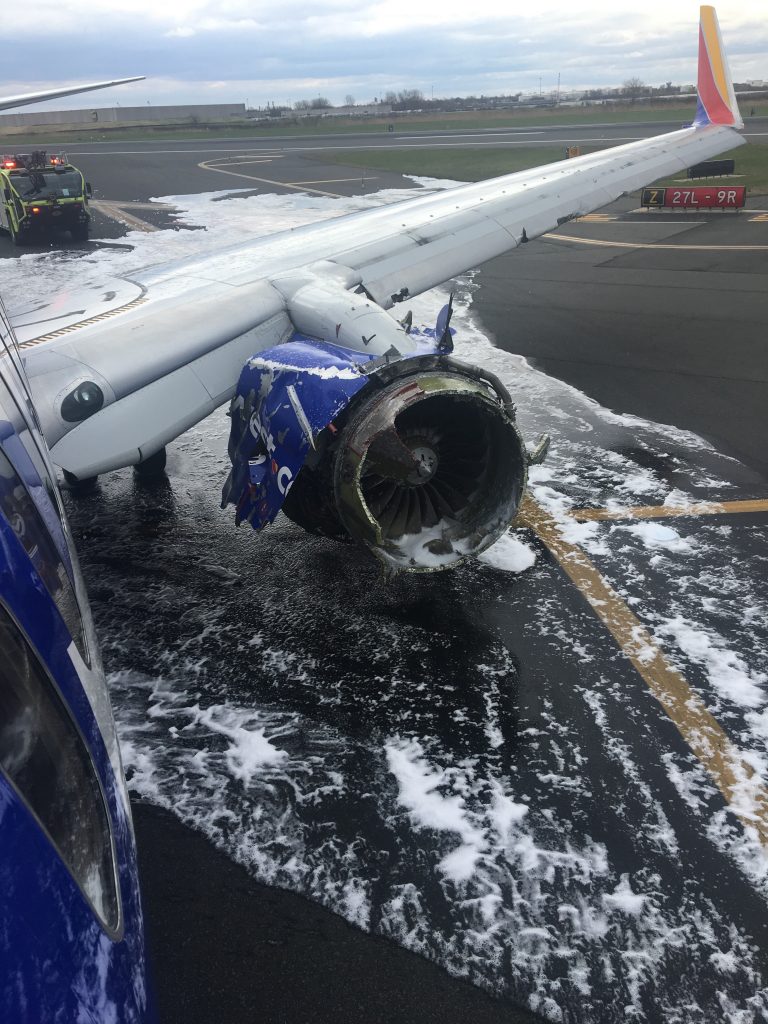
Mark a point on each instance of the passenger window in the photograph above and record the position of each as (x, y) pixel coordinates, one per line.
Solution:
(46, 759)
(26, 522)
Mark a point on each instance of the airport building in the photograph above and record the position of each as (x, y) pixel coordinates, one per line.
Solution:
(197, 113)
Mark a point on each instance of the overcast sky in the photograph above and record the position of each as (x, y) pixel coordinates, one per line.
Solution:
(232, 51)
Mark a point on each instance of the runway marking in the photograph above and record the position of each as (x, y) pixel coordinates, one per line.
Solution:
(468, 135)
(250, 160)
(680, 221)
(699, 508)
(394, 144)
(116, 211)
(131, 204)
(206, 165)
(724, 762)
(258, 147)
(601, 218)
(676, 219)
(759, 217)
(656, 245)
(331, 181)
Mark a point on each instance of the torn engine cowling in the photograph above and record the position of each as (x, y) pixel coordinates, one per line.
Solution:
(418, 458)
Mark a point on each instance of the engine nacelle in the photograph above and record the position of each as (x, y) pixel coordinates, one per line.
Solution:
(430, 467)
(419, 459)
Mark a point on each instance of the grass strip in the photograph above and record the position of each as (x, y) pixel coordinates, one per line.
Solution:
(478, 163)
(403, 124)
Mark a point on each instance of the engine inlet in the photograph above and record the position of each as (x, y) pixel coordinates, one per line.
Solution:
(430, 469)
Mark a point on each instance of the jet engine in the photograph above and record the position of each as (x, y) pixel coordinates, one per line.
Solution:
(425, 467)
(417, 458)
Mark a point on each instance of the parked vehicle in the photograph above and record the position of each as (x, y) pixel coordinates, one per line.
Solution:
(41, 193)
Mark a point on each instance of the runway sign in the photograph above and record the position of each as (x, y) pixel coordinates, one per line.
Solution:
(702, 197)
(653, 196)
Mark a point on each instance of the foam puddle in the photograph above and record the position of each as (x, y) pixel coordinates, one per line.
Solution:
(362, 746)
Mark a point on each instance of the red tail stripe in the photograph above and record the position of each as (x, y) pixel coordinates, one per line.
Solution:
(717, 110)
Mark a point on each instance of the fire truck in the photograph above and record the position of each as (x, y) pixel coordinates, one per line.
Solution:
(40, 193)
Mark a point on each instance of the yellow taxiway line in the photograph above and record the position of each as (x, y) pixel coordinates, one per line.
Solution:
(699, 508)
(206, 166)
(227, 162)
(118, 212)
(332, 181)
(736, 779)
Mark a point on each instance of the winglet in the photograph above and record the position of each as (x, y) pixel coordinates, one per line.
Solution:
(717, 100)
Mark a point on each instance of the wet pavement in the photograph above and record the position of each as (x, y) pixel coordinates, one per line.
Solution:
(464, 763)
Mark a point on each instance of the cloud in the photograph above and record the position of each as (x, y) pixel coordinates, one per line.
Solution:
(290, 51)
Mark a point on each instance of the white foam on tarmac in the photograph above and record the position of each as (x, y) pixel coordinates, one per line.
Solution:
(509, 553)
(727, 671)
(496, 882)
(656, 535)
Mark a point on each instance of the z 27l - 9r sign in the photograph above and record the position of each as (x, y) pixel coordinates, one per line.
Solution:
(731, 196)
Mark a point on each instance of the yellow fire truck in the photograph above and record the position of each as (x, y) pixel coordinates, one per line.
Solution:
(39, 193)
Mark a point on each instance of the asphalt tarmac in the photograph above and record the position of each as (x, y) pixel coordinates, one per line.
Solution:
(675, 335)
(224, 948)
(671, 334)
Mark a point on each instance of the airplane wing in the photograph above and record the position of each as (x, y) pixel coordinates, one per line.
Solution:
(120, 372)
(25, 99)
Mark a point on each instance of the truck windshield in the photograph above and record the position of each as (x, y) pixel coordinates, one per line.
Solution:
(45, 184)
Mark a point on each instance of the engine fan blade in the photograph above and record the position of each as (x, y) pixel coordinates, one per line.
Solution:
(388, 457)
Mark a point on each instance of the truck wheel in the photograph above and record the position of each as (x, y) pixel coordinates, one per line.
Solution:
(80, 232)
(17, 237)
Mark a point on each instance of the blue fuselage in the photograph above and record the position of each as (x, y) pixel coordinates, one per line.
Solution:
(71, 930)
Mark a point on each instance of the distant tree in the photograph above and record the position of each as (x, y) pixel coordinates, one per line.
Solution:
(389, 97)
(632, 88)
(349, 100)
(319, 102)
(410, 97)
(301, 105)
